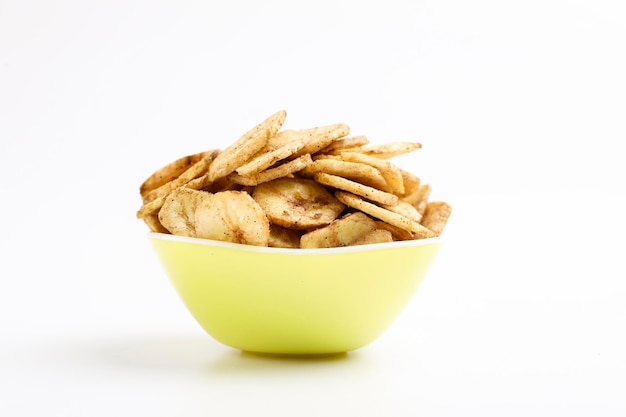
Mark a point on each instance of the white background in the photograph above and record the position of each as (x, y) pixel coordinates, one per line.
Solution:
(520, 107)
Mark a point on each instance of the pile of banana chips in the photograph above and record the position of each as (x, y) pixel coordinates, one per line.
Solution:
(298, 188)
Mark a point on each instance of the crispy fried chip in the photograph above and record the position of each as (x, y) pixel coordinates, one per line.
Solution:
(356, 171)
(390, 149)
(383, 214)
(346, 143)
(320, 137)
(246, 146)
(407, 210)
(285, 137)
(151, 208)
(411, 183)
(391, 173)
(198, 183)
(152, 220)
(354, 187)
(309, 188)
(169, 172)
(232, 216)
(281, 237)
(421, 200)
(177, 213)
(396, 232)
(222, 184)
(436, 216)
(341, 232)
(266, 159)
(280, 171)
(297, 203)
(375, 236)
(196, 170)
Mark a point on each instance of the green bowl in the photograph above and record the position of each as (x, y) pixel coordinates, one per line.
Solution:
(294, 301)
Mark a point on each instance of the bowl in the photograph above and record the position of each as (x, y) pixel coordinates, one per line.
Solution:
(294, 301)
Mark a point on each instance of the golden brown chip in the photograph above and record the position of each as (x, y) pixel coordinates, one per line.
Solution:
(341, 232)
(383, 214)
(421, 200)
(288, 189)
(297, 203)
(354, 187)
(390, 149)
(196, 170)
(266, 159)
(152, 220)
(177, 214)
(283, 170)
(320, 137)
(151, 208)
(411, 183)
(222, 184)
(356, 171)
(232, 216)
(245, 180)
(281, 237)
(246, 146)
(284, 137)
(198, 183)
(396, 232)
(346, 143)
(389, 171)
(407, 210)
(319, 156)
(375, 236)
(436, 216)
(169, 172)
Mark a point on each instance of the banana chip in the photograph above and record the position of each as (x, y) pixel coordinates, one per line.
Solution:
(246, 146)
(384, 214)
(421, 200)
(169, 172)
(295, 188)
(177, 214)
(194, 171)
(267, 159)
(356, 171)
(436, 216)
(152, 220)
(396, 232)
(407, 210)
(341, 232)
(411, 183)
(232, 216)
(391, 173)
(281, 237)
(354, 187)
(346, 143)
(389, 150)
(375, 236)
(297, 203)
(280, 171)
(319, 137)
